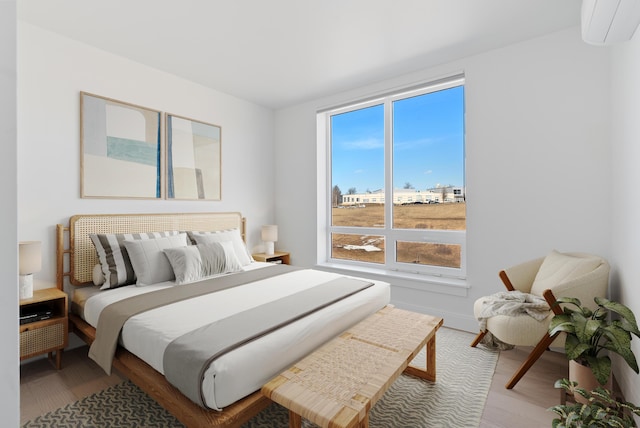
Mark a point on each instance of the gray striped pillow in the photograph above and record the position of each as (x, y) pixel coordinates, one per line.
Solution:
(197, 262)
(228, 235)
(114, 259)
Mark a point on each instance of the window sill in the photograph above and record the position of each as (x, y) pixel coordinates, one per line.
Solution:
(423, 282)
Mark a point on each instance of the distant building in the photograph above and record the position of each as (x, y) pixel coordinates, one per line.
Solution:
(408, 196)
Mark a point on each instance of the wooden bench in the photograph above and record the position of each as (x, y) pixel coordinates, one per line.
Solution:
(337, 384)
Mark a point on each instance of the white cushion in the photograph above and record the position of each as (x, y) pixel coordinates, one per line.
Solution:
(558, 268)
(197, 262)
(230, 235)
(97, 275)
(517, 330)
(149, 262)
(231, 258)
(113, 256)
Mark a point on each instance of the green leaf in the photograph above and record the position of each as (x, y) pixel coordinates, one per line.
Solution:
(591, 327)
(560, 323)
(600, 315)
(619, 341)
(580, 324)
(601, 368)
(626, 313)
(569, 300)
(627, 326)
(572, 418)
(574, 348)
(564, 383)
(603, 409)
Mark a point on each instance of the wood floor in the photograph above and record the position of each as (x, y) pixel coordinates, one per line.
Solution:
(42, 388)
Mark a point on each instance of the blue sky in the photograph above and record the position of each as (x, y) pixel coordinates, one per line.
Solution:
(428, 135)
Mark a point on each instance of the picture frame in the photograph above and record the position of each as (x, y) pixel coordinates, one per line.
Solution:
(121, 153)
(194, 164)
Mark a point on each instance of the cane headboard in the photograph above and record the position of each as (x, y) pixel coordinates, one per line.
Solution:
(82, 255)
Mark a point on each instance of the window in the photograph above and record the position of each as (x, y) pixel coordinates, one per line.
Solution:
(408, 146)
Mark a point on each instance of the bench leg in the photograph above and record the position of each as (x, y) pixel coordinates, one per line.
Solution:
(365, 422)
(295, 420)
(430, 372)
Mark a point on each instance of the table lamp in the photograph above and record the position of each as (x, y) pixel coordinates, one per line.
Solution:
(269, 236)
(30, 261)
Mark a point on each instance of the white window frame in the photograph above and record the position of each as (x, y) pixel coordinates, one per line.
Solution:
(391, 235)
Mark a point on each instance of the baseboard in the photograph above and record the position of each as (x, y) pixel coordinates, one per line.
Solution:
(451, 319)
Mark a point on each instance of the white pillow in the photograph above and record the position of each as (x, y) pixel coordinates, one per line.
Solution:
(97, 275)
(230, 235)
(197, 262)
(231, 258)
(148, 260)
(557, 268)
(113, 256)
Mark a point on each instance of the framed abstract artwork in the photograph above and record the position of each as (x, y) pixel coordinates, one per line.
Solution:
(193, 159)
(121, 149)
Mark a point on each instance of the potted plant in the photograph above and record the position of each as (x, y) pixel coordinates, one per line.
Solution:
(590, 333)
(601, 409)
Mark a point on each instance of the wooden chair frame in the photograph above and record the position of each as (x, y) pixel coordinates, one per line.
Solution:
(540, 347)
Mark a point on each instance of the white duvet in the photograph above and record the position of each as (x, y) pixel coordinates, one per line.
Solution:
(244, 370)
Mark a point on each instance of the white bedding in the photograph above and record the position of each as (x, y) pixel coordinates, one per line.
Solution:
(245, 369)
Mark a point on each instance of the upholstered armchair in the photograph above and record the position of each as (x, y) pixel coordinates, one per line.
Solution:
(579, 275)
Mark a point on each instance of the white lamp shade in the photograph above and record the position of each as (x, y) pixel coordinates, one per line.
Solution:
(270, 233)
(29, 256)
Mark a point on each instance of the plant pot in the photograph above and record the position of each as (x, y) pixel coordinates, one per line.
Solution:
(585, 379)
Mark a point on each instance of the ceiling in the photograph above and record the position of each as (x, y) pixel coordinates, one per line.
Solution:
(278, 53)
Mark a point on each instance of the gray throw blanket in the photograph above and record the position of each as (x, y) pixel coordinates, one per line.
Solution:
(511, 303)
(187, 358)
(113, 317)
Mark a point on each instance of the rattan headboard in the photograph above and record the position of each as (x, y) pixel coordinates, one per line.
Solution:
(82, 253)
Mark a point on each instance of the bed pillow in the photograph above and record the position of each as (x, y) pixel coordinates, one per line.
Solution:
(113, 256)
(97, 275)
(150, 264)
(557, 268)
(230, 235)
(197, 262)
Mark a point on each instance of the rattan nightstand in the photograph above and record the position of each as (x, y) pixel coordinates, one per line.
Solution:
(44, 324)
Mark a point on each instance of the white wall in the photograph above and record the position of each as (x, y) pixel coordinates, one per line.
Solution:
(9, 355)
(537, 120)
(536, 130)
(54, 69)
(625, 140)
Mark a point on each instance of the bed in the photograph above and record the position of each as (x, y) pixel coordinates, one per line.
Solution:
(228, 399)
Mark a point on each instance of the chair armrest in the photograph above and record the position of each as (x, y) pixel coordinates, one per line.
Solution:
(551, 300)
(506, 281)
(520, 277)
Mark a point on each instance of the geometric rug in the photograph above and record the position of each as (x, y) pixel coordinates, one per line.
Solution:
(456, 399)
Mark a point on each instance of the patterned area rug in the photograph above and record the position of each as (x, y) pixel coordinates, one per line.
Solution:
(457, 398)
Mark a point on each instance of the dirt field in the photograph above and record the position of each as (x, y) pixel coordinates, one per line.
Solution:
(419, 216)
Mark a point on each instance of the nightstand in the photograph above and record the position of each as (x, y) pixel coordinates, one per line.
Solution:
(276, 257)
(44, 326)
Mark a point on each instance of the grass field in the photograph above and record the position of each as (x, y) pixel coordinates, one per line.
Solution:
(419, 216)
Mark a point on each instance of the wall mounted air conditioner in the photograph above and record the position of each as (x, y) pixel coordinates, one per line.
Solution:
(605, 22)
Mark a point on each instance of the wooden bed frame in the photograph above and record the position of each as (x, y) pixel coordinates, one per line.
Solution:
(75, 250)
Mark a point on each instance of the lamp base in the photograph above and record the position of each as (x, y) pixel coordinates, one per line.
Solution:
(26, 286)
(269, 248)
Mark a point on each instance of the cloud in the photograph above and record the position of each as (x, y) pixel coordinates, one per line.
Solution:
(359, 171)
(428, 141)
(412, 144)
(429, 171)
(368, 144)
